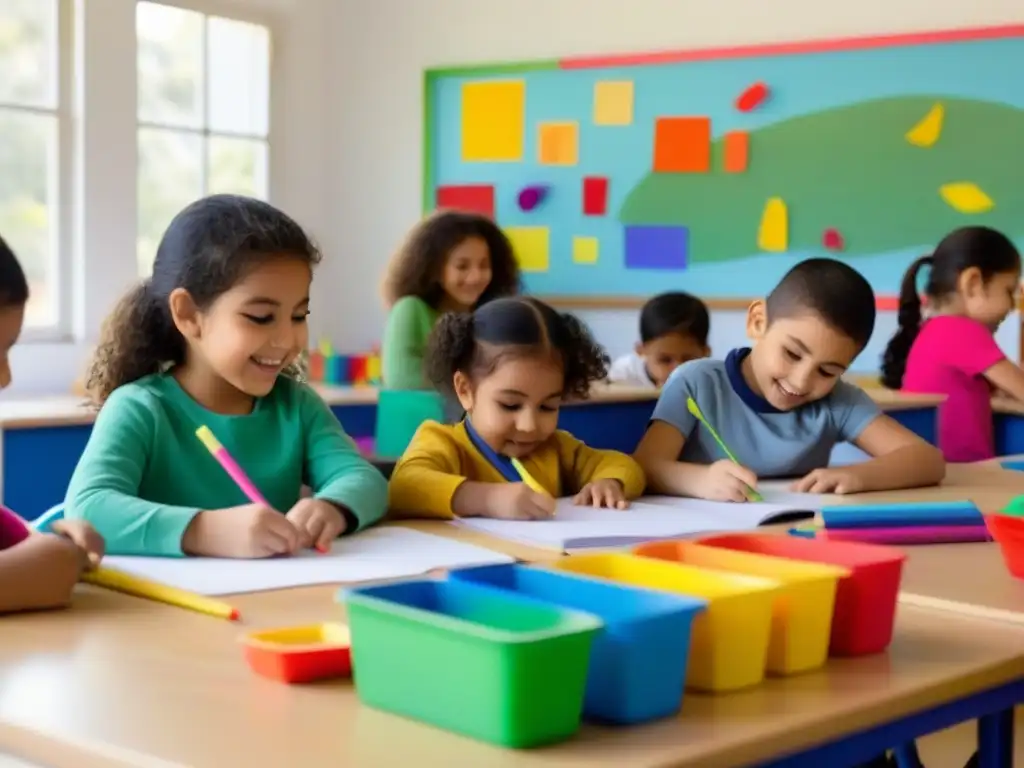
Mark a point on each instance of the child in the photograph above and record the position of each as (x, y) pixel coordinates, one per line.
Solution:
(782, 406)
(673, 330)
(37, 570)
(972, 286)
(451, 262)
(209, 340)
(511, 364)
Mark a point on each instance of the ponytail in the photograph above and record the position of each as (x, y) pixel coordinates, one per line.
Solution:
(894, 361)
(138, 338)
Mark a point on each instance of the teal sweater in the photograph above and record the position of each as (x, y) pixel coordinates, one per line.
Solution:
(144, 474)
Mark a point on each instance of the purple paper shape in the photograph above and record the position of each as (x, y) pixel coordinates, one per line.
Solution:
(657, 247)
(531, 197)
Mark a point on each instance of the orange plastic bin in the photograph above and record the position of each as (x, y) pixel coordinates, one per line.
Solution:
(865, 610)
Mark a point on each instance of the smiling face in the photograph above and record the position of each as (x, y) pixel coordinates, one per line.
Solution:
(251, 332)
(989, 301)
(795, 360)
(515, 407)
(467, 273)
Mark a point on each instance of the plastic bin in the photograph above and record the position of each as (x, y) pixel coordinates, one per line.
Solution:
(300, 654)
(471, 659)
(729, 641)
(802, 613)
(638, 661)
(1008, 531)
(865, 600)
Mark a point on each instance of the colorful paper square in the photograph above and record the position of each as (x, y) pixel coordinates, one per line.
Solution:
(493, 121)
(682, 145)
(585, 250)
(595, 195)
(613, 102)
(736, 151)
(532, 247)
(558, 143)
(656, 247)
(474, 198)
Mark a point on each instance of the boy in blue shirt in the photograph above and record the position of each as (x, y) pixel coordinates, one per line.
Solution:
(781, 406)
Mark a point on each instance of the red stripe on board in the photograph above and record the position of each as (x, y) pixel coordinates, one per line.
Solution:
(887, 303)
(781, 49)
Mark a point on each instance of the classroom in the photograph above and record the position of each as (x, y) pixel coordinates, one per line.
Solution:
(354, 119)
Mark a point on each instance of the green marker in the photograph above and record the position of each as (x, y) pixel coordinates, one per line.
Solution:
(692, 407)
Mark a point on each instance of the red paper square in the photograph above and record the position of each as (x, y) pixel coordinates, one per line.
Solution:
(595, 196)
(474, 198)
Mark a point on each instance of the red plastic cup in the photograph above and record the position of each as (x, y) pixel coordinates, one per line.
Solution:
(1008, 531)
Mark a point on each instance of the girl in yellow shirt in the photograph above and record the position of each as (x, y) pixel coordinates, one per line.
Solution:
(511, 364)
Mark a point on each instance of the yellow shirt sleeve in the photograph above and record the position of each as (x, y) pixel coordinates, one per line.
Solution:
(582, 464)
(428, 474)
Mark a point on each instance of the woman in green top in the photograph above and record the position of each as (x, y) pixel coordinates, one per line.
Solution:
(452, 261)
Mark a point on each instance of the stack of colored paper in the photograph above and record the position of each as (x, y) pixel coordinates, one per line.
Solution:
(927, 522)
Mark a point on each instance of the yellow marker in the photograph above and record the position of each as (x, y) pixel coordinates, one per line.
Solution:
(150, 590)
(531, 483)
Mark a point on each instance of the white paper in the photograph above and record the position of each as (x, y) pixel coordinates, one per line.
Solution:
(647, 519)
(376, 553)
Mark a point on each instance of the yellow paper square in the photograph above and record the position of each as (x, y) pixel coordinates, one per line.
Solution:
(493, 120)
(613, 102)
(531, 246)
(584, 250)
(558, 143)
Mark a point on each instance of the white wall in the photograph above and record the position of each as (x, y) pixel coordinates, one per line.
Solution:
(381, 48)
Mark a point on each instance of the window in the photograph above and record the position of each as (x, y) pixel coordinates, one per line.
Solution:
(32, 165)
(203, 109)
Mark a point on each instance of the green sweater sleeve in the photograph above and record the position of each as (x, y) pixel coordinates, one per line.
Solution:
(104, 488)
(334, 470)
(405, 342)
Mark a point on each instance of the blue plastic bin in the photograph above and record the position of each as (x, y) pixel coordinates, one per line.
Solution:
(638, 661)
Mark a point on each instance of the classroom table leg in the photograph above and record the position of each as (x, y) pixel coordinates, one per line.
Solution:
(995, 740)
(906, 756)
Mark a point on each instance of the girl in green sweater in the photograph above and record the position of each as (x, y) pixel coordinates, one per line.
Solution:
(452, 261)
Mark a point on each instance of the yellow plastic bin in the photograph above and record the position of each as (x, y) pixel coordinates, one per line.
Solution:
(729, 641)
(802, 613)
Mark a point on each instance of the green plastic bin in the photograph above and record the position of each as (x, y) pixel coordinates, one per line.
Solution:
(399, 415)
(471, 659)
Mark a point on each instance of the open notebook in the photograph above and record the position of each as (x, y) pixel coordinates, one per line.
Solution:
(647, 519)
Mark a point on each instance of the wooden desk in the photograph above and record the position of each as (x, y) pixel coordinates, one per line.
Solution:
(132, 675)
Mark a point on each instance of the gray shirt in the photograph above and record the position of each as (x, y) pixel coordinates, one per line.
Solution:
(770, 442)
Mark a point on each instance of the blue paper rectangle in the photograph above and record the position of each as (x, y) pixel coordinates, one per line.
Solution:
(902, 515)
(656, 247)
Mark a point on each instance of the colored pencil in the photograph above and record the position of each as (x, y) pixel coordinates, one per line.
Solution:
(530, 481)
(692, 407)
(235, 472)
(150, 590)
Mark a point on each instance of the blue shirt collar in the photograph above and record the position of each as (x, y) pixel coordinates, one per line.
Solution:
(499, 461)
(734, 370)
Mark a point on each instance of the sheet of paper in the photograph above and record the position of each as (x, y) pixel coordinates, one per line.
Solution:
(493, 120)
(650, 518)
(584, 250)
(558, 143)
(532, 247)
(376, 553)
(613, 102)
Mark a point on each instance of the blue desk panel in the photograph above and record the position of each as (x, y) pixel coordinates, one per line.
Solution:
(1008, 432)
(920, 421)
(38, 464)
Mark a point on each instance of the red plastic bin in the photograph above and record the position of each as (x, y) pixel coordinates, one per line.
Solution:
(1008, 531)
(865, 610)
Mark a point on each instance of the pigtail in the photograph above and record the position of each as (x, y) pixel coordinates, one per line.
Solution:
(585, 360)
(450, 349)
(894, 361)
(137, 339)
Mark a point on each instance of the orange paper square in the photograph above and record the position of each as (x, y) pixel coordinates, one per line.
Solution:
(737, 151)
(682, 145)
(558, 144)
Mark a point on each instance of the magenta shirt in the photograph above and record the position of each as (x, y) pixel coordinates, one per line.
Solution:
(948, 357)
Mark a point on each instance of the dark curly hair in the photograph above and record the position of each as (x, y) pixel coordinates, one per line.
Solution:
(981, 248)
(207, 248)
(476, 342)
(13, 285)
(417, 268)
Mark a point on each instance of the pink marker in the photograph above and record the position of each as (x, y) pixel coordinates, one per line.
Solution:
(235, 472)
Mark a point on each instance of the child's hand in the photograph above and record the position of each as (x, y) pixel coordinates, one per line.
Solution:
(726, 481)
(85, 537)
(602, 493)
(839, 480)
(248, 531)
(515, 501)
(318, 522)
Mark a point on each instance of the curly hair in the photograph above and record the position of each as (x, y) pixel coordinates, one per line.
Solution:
(13, 285)
(417, 268)
(207, 248)
(476, 343)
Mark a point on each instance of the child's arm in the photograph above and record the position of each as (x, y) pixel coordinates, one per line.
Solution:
(404, 346)
(39, 573)
(105, 485)
(334, 469)
(1008, 378)
(588, 465)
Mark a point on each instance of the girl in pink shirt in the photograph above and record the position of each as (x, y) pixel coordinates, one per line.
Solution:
(972, 285)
